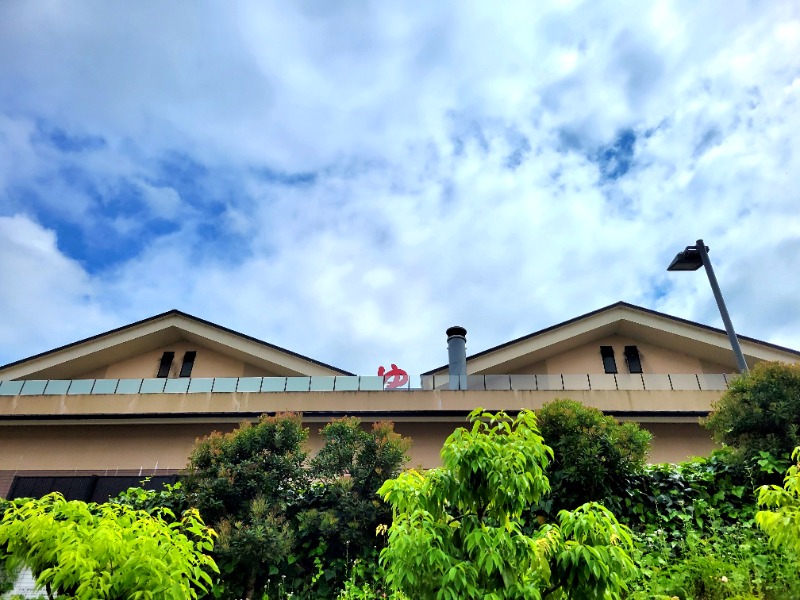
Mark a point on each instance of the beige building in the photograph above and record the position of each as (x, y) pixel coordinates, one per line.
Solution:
(99, 414)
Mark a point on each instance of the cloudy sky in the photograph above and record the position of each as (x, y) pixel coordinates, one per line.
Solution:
(348, 179)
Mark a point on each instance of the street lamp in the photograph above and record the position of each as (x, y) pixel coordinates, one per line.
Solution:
(692, 259)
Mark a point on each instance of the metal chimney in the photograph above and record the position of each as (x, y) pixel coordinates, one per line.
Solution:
(457, 357)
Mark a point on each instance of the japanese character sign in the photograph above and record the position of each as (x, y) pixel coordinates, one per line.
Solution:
(395, 377)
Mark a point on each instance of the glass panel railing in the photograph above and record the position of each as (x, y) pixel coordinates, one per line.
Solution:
(298, 384)
(201, 384)
(273, 384)
(225, 384)
(177, 386)
(322, 384)
(249, 384)
(80, 386)
(346, 384)
(129, 386)
(10, 388)
(56, 387)
(105, 386)
(369, 383)
(153, 386)
(33, 387)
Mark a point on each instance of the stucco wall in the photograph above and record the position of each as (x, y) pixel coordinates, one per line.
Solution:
(586, 359)
(208, 363)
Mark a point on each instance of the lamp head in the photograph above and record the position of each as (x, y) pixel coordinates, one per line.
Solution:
(688, 260)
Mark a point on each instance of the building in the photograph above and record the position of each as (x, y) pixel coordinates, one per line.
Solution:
(99, 414)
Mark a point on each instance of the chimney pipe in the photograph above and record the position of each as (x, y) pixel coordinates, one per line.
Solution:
(457, 357)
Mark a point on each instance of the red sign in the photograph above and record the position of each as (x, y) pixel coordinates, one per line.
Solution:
(394, 378)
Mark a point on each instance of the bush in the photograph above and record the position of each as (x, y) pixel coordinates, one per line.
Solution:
(760, 412)
(783, 524)
(698, 494)
(594, 456)
(282, 516)
(733, 561)
(107, 551)
(458, 530)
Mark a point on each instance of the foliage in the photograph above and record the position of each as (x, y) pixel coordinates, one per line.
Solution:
(458, 530)
(171, 497)
(760, 412)
(243, 483)
(728, 561)
(594, 456)
(337, 517)
(366, 582)
(107, 551)
(701, 494)
(696, 535)
(284, 517)
(783, 523)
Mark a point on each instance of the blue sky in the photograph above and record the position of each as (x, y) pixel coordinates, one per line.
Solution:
(347, 180)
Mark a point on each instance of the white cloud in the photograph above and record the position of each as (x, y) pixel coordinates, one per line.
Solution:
(46, 298)
(369, 175)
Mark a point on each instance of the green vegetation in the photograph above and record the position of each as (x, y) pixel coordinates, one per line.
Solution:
(288, 523)
(458, 533)
(696, 536)
(107, 551)
(759, 415)
(783, 523)
(557, 505)
(594, 458)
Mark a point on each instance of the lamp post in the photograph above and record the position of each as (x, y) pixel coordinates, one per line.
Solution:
(692, 259)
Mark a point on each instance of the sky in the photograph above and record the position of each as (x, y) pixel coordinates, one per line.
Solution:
(348, 179)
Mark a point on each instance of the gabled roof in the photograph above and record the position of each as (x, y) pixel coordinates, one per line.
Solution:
(158, 331)
(622, 318)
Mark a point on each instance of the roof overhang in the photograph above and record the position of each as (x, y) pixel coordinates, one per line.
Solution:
(709, 343)
(162, 330)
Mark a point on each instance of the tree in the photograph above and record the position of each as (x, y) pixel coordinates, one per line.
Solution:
(243, 482)
(782, 524)
(107, 551)
(760, 412)
(458, 531)
(284, 516)
(338, 516)
(594, 456)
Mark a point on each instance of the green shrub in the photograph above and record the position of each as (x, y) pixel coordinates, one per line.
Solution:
(760, 412)
(107, 551)
(457, 531)
(733, 561)
(288, 523)
(594, 456)
(698, 494)
(783, 523)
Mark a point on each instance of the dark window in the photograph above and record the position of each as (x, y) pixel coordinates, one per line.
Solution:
(188, 363)
(87, 488)
(633, 360)
(72, 487)
(609, 364)
(166, 364)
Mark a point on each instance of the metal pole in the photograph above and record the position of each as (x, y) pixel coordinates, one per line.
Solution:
(712, 279)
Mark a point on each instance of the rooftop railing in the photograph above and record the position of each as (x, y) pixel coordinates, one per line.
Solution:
(364, 383)
(586, 382)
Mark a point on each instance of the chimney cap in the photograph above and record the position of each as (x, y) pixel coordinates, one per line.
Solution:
(456, 330)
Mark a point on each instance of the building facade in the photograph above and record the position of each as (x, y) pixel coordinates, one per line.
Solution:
(102, 413)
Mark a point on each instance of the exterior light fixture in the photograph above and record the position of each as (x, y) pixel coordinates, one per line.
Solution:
(691, 259)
